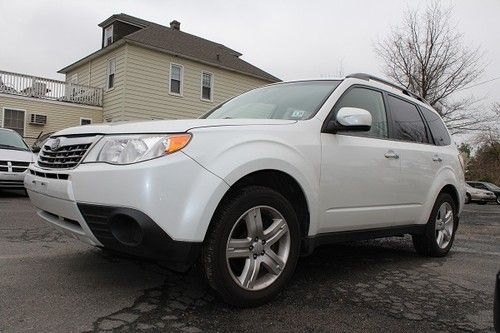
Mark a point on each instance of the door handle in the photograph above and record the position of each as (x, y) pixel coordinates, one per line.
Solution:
(391, 154)
(436, 158)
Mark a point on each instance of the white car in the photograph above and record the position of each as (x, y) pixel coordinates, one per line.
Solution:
(15, 157)
(259, 180)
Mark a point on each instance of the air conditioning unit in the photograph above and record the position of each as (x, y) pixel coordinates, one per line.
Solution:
(38, 119)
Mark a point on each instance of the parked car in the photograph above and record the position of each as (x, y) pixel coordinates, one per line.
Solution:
(15, 157)
(40, 141)
(479, 196)
(259, 180)
(487, 187)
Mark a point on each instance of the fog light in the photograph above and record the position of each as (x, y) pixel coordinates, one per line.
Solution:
(126, 230)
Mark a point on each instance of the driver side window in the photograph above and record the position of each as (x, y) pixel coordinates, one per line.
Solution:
(373, 102)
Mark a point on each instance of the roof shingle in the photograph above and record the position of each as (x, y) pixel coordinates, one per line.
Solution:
(180, 43)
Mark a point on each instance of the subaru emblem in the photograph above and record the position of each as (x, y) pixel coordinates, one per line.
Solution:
(55, 144)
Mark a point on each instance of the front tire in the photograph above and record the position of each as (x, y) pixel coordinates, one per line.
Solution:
(498, 199)
(252, 247)
(467, 198)
(437, 239)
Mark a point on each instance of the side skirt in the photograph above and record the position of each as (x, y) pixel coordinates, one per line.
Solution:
(312, 242)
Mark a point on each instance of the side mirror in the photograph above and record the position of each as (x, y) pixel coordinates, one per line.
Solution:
(350, 119)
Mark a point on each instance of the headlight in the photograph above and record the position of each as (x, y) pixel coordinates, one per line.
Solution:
(127, 149)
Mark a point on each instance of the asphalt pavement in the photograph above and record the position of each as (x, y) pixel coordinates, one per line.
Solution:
(50, 282)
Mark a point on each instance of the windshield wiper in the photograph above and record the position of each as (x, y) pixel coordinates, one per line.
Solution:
(4, 146)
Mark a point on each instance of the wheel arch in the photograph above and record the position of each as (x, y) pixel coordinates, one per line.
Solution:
(446, 181)
(280, 181)
(452, 190)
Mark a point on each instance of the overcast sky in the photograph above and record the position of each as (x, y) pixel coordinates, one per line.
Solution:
(290, 39)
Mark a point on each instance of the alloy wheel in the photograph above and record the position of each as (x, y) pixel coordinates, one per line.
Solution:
(444, 225)
(257, 248)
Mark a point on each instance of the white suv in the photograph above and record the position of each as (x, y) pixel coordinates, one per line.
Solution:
(259, 180)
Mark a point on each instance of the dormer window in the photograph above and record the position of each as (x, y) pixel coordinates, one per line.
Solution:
(108, 35)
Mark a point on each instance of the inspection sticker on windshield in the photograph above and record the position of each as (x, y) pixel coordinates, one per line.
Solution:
(298, 114)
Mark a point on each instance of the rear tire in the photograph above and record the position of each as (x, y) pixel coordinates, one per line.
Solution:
(263, 259)
(437, 239)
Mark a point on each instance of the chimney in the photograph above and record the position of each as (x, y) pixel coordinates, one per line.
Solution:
(175, 25)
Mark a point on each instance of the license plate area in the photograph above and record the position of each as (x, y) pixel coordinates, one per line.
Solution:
(40, 186)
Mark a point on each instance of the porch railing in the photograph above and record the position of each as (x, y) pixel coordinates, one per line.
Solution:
(54, 90)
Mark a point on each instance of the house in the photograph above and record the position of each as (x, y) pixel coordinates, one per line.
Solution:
(143, 70)
(33, 105)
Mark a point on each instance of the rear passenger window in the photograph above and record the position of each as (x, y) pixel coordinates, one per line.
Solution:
(408, 124)
(373, 102)
(437, 127)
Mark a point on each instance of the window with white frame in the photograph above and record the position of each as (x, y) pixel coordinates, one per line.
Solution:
(206, 86)
(111, 74)
(108, 35)
(14, 120)
(176, 73)
(85, 121)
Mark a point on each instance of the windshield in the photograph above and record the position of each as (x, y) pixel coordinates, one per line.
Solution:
(289, 101)
(12, 140)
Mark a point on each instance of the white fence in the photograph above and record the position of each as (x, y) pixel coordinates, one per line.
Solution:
(37, 87)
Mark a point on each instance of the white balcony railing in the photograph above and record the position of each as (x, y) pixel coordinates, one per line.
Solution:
(38, 87)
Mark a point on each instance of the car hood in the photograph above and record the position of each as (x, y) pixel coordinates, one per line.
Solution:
(165, 126)
(16, 155)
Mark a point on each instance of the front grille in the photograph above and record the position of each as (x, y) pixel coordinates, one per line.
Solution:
(65, 155)
(15, 166)
(63, 176)
(19, 166)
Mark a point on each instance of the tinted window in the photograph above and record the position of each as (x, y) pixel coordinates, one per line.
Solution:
(437, 127)
(408, 125)
(373, 102)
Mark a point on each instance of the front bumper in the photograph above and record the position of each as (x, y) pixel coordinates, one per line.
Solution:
(12, 179)
(171, 201)
(483, 197)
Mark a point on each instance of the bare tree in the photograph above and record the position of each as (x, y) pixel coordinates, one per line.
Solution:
(427, 55)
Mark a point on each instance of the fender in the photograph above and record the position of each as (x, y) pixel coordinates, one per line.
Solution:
(445, 176)
(236, 156)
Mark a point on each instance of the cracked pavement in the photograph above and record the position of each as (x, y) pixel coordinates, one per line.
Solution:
(51, 282)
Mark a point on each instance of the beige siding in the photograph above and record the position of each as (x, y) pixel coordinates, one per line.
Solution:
(147, 86)
(94, 73)
(59, 115)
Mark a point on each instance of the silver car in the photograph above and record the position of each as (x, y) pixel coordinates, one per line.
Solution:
(477, 195)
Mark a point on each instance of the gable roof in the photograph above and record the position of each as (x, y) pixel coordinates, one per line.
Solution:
(172, 41)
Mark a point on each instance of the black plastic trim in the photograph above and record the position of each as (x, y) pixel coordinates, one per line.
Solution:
(154, 244)
(312, 242)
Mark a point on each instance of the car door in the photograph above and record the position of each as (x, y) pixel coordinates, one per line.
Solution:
(359, 170)
(420, 159)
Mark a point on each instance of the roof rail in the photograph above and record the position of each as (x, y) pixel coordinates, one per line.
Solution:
(367, 77)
